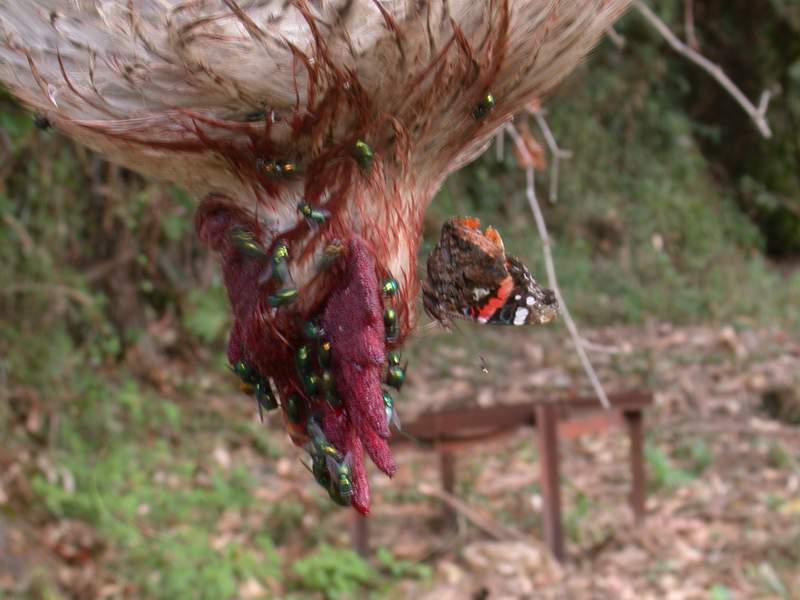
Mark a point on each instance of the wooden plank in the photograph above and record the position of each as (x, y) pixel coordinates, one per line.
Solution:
(479, 422)
(635, 421)
(447, 472)
(547, 419)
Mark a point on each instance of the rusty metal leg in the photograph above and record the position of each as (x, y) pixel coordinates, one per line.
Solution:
(447, 471)
(635, 424)
(359, 534)
(547, 423)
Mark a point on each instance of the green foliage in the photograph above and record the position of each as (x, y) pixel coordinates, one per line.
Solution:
(741, 155)
(207, 314)
(696, 454)
(720, 592)
(662, 473)
(577, 514)
(335, 572)
(778, 456)
(135, 480)
(402, 569)
(644, 226)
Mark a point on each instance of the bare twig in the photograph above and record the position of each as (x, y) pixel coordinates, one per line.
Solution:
(100, 270)
(616, 38)
(688, 19)
(757, 114)
(51, 289)
(556, 152)
(499, 145)
(25, 238)
(481, 521)
(530, 191)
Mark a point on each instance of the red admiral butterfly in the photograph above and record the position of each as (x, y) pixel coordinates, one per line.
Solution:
(471, 277)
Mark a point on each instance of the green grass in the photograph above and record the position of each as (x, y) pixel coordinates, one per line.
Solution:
(334, 572)
(137, 468)
(662, 472)
(153, 495)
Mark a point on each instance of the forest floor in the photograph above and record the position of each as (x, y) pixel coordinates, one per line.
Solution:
(197, 500)
(723, 459)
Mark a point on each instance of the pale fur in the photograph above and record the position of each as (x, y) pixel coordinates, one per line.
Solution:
(132, 66)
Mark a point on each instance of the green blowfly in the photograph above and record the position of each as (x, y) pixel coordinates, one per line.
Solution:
(328, 387)
(245, 372)
(396, 373)
(295, 409)
(363, 155)
(283, 297)
(313, 330)
(392, 417)
(315, 217)
(276, 168)
(265, 398)
(320, 442)
(246, 243)
(278, 267)
(484, 107)
(341, 490)
(310, 384)
(390, 287)
(390, 322)
(324, 354)
(302, 359)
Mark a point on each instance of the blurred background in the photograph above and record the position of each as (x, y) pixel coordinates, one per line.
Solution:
(131, 466)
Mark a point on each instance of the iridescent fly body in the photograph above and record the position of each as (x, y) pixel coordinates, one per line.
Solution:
(324, 354)
(315, 217)
(341, 479)
(363, 155)
(246, 243)
(276, 168)
(320, 442)
(283, 297)
(390, 322)
(484, 107)
(390, 287)
(391, 412)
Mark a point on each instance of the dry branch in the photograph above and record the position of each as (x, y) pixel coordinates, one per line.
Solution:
(757, 114)
(53, 290)
(481, 521)
(688, 18)
(616, 38)
(499, 145)
(556, 152)
(577, 340)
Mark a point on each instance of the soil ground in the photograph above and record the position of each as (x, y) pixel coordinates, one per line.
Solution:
(723, 458)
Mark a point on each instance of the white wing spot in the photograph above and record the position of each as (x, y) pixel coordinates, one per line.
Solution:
(482, 319)
(517, 297)
(530, 300)
(520, 316)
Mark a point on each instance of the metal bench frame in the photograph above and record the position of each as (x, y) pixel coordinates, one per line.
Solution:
(450, 431)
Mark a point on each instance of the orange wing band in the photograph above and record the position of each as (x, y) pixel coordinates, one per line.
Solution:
(503, 292)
